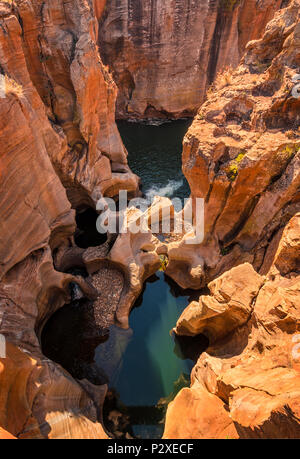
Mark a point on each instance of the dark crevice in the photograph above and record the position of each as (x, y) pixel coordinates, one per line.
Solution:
(86, 234)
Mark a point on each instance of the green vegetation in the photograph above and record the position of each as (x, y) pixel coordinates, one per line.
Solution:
(163, 262)
(288, 151)
(229, 5)
(225, 251)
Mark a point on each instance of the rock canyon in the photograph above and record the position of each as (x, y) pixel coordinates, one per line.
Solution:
(68, 70)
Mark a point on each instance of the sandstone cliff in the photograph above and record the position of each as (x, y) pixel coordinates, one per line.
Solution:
(58, 139)
(164, 54)
(247, 384)
(60, 47)
(60, 148)
(241, 155)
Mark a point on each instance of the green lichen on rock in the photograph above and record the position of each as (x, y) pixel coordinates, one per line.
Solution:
(163, 262)
(229, 5)
(233, 169)
(288, 151)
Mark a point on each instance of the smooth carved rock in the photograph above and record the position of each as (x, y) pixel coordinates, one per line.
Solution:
(228, 307)
(164, 55)
(57, 128)
(201, 415)
(60, 44)
(4, 435)
(38, 398)
(249, 381)
(136, 254)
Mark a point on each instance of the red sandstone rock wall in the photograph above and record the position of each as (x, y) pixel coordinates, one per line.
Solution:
(62, 57)
(242, 156)
(58, 138)
(164, 54)
(247, 383)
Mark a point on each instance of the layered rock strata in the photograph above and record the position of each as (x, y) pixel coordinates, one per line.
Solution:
(242, 156)
(164, 55)
(58, 141)
(60, 148)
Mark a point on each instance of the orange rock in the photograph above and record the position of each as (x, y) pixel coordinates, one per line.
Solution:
(4, 435)
(164, 57)
(250, 374)
(201, 415)
(228, 307)
(242, 156)
(79, 96)
(58, 134)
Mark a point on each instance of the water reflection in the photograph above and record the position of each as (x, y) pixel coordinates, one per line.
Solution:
(144, 366)
(149, 365)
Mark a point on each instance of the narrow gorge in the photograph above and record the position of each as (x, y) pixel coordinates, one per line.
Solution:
(149, 334)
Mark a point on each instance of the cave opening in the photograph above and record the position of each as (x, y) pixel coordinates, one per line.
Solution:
(86, 234)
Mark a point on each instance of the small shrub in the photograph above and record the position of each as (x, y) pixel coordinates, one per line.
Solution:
(233, 169)
(163, 262)
(223, 79)
(12, 87)
(232, 172)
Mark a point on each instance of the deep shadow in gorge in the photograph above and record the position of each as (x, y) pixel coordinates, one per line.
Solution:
(86, 234)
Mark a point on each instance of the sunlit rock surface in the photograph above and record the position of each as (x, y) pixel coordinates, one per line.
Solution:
(241, 155)
(58, 139)
(247, 384)
(60, 148)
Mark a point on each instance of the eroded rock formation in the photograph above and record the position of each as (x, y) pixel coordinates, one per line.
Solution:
(60, 149)
(247, 384)
(164, 55)
(241, 155)
(60, 47)
(57, 128)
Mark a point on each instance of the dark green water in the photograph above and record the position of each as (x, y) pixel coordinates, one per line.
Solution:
(141, 365)
(147, 360)
(154, 153)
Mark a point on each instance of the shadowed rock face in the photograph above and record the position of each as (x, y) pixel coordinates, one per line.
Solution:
(78, 94)
(242, 155)
(164, 54)
(60, 147)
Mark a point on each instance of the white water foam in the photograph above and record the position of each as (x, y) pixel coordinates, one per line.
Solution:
(167, 190)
